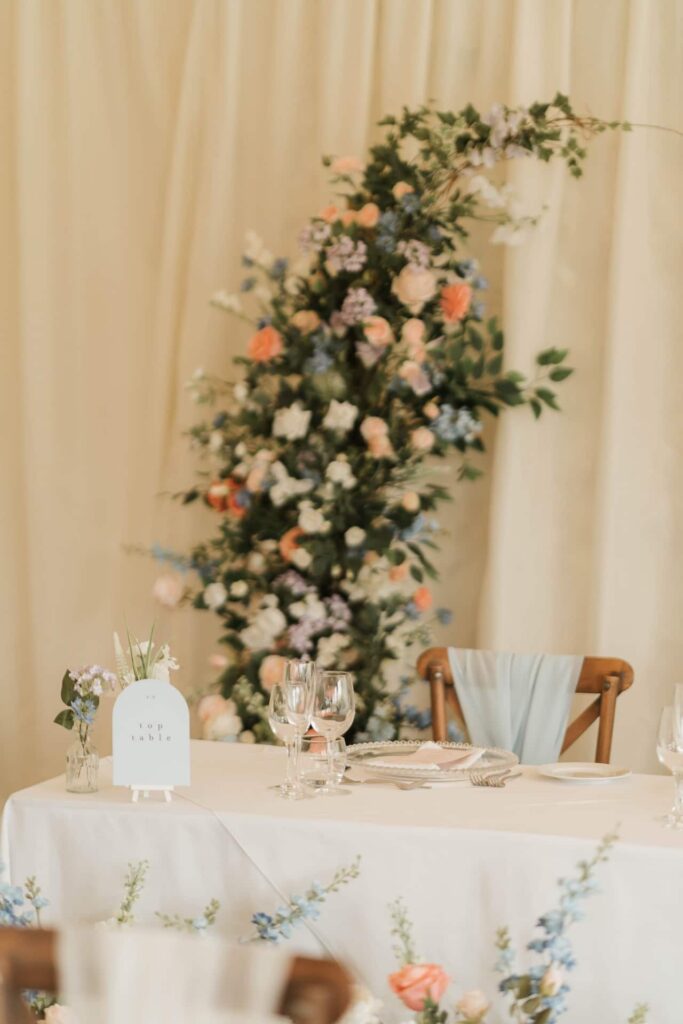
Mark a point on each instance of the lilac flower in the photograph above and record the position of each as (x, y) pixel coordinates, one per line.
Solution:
(294, 582)
(338, 611)
(299, 635)
(416, 253)
(357, 306)
(347, 255)
(314, 236)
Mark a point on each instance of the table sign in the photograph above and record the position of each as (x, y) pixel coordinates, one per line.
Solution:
(151, 738)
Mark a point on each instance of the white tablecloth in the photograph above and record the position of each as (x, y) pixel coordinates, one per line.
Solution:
(465, 861)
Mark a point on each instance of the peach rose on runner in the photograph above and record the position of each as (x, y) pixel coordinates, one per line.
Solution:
(271, 671)
(414, 984)
(455, 301)
(266, 344)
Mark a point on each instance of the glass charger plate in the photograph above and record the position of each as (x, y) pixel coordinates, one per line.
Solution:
(365, 754)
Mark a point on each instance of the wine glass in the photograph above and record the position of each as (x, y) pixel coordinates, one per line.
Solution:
(283, 730)
(333, 712)
(298, 688)
(670, 754)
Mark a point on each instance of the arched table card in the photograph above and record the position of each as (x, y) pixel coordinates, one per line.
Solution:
(151, 738)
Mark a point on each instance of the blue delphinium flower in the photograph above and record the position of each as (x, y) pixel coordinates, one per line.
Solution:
(84, 710)
(264, 321)
(247, 284)
(319, 362)
(445, 616)
(411, 202)
(219, 420)
(416, 527)
(278, 268)
(480, 283)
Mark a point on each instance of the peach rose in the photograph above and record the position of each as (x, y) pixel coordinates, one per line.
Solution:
(431, 410)
(373, 427)
(210, 706)
(422, 599)
(271, 671)
(398, 573)
(413, 333)
(288, 542)
(414, 286)
(402, 188)
(415, 377)
(329, 213)
(218, 662)
(422, 439)
(348, 218)
(415, 983)
(472, 1005)
(455, 301)
(381, 448)
(411, 501)
(168, 589)
(265, 344)
(368, 215)
(378, 332)
(306, 321)
(346, 165)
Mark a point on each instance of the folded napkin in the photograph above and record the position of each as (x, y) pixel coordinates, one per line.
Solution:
(429, 756)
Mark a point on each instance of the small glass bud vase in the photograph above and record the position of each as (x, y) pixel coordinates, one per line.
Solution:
(82, 765)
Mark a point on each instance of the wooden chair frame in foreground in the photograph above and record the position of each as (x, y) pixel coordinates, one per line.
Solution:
(317, 991)
(605, 677)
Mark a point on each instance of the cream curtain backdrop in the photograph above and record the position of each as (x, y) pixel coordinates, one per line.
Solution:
(141, 139)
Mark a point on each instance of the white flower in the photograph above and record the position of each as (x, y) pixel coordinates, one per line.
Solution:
(286, 486)
(222, 726)
(482, 187)
(340, 472)
(266, 626)
(256, 251)
(224, 300)
(247, 736)
(256, 563)
(354, 536)
(301, 558)
(168, 590)
(312, 520)
(262, 293)
(311, 606)
(215, 595)
(57, 1014)
(472, 1005)
(240, 392)
(340, 416)
(291, 422)
(216, 441)
(239, 589)
(414, 286)
(329, 648)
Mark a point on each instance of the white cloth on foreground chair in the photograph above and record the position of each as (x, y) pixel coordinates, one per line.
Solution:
(520, 702)
(144, 976)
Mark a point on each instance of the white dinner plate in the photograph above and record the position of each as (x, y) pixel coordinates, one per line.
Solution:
(582, 771)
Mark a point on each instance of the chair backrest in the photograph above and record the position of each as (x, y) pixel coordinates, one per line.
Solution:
(316, 991)
(605, 677)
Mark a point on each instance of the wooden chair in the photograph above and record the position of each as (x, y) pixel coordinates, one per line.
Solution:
(317, 991)
(605, 677)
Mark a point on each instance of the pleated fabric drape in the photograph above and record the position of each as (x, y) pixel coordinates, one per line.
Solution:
(141, 138)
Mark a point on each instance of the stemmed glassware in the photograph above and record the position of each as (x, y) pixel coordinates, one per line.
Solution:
(298, 688)
(332, 714)
(284, 730)
(670, 754)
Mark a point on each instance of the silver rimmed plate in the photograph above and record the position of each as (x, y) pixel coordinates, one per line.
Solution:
(582, 771)
(367, 756)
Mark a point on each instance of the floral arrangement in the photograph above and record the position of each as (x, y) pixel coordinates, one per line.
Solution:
(535, 995)
(370, 356)
(144, 660)
(81, 692)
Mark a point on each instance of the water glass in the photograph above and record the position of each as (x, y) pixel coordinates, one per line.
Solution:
(670, 754)
(332, 714)
(299, 686)
(323, 763)
(283, 730)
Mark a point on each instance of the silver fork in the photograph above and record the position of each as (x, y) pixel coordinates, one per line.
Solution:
(493, 780)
